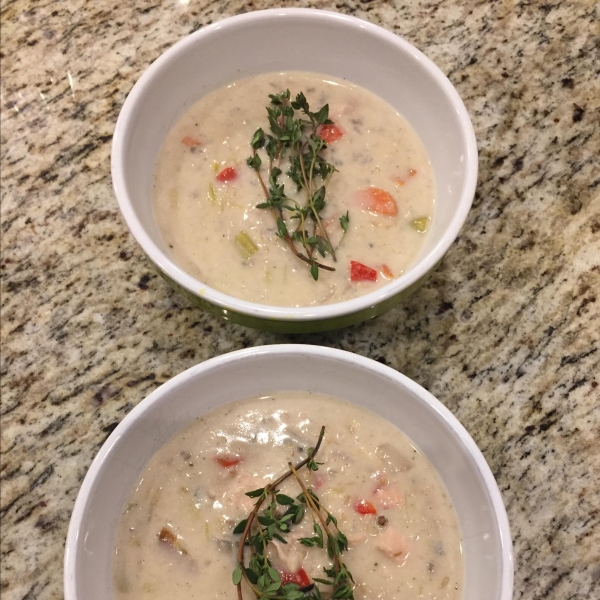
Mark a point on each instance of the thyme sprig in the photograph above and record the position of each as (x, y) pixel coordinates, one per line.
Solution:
(280, 515)
(297, 139)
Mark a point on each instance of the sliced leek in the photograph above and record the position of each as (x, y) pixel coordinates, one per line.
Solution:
(212, 195)
(420, 224)
(245, 244)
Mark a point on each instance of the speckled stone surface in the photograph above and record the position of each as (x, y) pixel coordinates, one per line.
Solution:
(506, 333)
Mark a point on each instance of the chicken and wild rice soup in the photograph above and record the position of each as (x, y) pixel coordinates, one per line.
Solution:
(388, 515)
(307, 198)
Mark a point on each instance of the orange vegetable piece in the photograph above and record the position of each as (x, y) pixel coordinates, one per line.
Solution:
(364, 507)
(400, 181)
(227, 174)
(190, 141)
(378, 201)
(386, 272)
(330, 133)
(228, 461)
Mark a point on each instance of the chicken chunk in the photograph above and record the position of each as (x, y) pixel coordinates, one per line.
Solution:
(394, 544)
(388, 496)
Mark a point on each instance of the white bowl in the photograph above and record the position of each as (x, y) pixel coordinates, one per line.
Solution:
(322, 42)
(435, 431)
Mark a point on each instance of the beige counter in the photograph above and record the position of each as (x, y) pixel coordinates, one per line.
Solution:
(506, 333)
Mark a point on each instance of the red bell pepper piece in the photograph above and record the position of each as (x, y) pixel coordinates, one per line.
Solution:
(227, 174)
(360, 272)
(228, 461)
(364, 507)
(300, 577)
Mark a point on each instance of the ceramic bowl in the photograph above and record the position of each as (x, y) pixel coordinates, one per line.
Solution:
(323, 42)
(433, 429)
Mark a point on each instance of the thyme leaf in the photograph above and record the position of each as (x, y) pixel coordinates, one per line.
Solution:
(294, 135)
(273, 516)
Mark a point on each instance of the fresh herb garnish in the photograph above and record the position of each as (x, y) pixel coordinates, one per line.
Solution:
(296, 138)
(273, 522)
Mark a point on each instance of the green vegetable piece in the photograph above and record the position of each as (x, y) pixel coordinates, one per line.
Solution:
(420, 224)
(314, 271)
(258, 139)
(295, 136)
(237, 575)
(254, 162)
(212, 195)
(274, 575)
(245, 244)
(269, 524)
(251, 575)
(283, 499)
(282, 231)
(344, 221)
(256, 493)
(239, 528)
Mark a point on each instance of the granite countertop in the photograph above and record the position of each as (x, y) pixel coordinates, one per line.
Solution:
(505, 334)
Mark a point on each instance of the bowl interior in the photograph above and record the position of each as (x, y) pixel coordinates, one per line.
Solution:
(323, 42)
(486, 538)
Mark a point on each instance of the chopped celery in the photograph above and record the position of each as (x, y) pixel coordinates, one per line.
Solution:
(420, 224)
(216, 166)
(212, 195)
(245, 244)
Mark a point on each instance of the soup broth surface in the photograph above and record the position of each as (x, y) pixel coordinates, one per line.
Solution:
(176, 537)
(205, 194)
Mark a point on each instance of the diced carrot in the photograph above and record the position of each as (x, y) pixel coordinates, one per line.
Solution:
(386, 271)
(360, 272)
(393, 543)
(228, 461)
(364, 507)
(227, 174)
(300, 577)
(190, 141)
(402, 180)
(378, 200)
(330, 133)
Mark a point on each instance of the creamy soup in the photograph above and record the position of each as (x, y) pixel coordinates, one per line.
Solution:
(176, 536)
(206, 195)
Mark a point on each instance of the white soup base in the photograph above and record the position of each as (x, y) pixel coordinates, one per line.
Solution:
(408, 547)
(199, 216)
